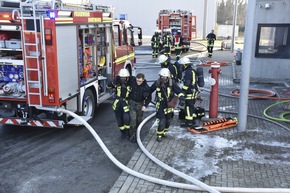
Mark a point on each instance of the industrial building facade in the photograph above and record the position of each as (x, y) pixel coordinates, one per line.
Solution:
(267, 40)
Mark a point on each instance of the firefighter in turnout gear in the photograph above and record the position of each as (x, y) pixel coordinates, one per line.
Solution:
(167, 43)
(155, 41)
(190, 91)
(122, 89)
(175, 71)
(211, 37)
(165, 90)
(178, 43)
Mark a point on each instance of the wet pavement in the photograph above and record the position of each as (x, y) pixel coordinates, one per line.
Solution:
(256, 158)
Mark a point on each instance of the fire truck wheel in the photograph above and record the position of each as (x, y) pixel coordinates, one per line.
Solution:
(89, 104)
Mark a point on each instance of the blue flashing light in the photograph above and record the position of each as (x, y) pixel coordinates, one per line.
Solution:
(51, 14)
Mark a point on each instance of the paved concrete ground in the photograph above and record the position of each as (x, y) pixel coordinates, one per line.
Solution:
(255, 158)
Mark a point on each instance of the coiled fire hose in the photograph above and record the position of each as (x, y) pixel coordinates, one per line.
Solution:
(281, 116)
(265, 94)
(270, 95)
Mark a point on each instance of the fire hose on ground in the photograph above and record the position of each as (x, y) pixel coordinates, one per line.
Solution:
(201, 186)
(269, 95)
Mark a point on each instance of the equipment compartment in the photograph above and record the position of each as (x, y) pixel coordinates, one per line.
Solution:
(13, 44)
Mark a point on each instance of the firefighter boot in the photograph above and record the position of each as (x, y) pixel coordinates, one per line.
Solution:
(164, 134)
(159, 138)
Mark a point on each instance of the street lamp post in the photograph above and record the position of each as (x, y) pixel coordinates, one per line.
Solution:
(204, 19)
(234, 25)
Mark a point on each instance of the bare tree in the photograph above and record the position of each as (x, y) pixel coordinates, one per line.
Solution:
(225, 12)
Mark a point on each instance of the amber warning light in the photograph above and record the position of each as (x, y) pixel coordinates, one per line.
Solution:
(51, 95)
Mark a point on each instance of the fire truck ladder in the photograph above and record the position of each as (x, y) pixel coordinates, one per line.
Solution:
(31, 53)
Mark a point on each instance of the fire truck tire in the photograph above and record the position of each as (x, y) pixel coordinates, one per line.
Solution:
(89, 103)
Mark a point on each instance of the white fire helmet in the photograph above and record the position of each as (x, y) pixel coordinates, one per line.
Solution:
(164, 72)
(184, 61)
(124, 73)
(162, 58)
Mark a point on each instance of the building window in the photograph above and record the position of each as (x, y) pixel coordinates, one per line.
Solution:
(273, 41)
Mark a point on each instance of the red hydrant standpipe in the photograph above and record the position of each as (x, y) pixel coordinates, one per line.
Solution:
(213, 103)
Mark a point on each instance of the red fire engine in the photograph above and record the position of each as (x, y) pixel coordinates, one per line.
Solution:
(175, 20)
(55, 55)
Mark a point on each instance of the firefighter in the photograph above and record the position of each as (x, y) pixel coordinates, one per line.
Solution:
(167, 42)
(211, 37)
(121, 86)
(165, 90)
(178, 43)
(155, 41)
(140, 92)
(165, 62)
(190, 91)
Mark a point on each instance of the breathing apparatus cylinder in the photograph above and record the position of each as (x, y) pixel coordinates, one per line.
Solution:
(200, 78)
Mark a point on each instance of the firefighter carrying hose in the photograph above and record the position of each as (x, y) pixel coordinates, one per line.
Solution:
(122, 89)
(190, 91)
(211, 37)
(155, 41)
(165, 89)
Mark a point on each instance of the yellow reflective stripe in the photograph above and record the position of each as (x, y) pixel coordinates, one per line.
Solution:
(193, 78)
(188, 115)
(118, 91)
(115, 104)
(188, 97)
(128, 91)
(122, 127)
(127, 126)
(159, 132)
(180, 94)
(168, 110)
(184, 87)
(176, 72)
(126, 109)
(157, 105)
(107, 19)
(122, 59)
(158, 93)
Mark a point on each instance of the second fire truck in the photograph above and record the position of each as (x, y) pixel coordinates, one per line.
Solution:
(55, 55)
(175, 20)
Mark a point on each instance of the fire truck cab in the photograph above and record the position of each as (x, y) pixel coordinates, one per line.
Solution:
(56, 55)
